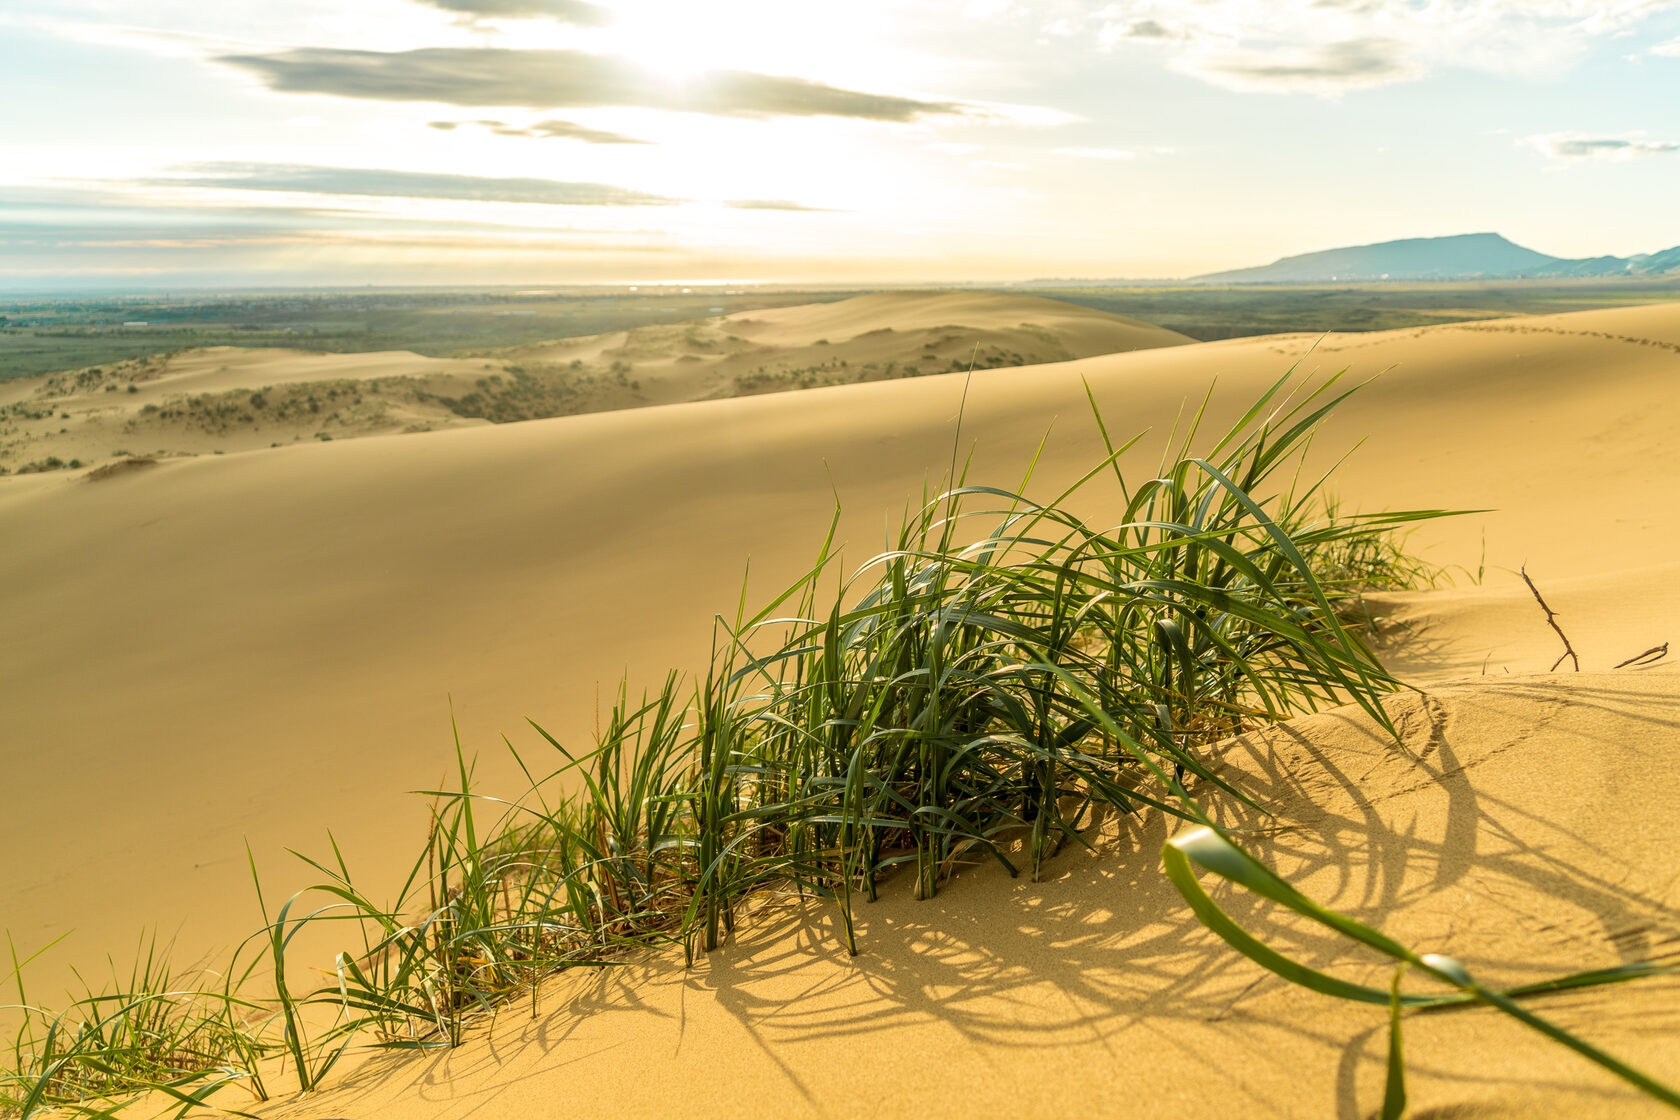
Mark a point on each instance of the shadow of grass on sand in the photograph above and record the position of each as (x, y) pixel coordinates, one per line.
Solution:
(1428, 838)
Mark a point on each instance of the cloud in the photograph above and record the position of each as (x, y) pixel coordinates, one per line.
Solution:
(96, 206)
(777, 204)
(555, 79)
(566, 130)
(78, 255)
(79, 236)
(381, 183)
(1671, 48)
(1095, 153)
(1571, 146)
(564, 11)
(546, 130)
(1327, 46)
(1350, 64)
(1148, 30)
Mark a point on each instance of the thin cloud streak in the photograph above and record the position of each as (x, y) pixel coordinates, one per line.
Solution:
(544, 130)
(778, 204)
(576, 12)
(562, 79)
(90, 211)
(383, 183)
(1574, 147)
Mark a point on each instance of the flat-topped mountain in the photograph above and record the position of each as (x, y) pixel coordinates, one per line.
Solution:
(1467, 256)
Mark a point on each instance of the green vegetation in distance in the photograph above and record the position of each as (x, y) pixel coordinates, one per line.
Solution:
(991, 688)
(1208, 312)
(50, 335)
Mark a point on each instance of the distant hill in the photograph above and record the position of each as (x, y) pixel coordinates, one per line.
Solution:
(1468, 256)
(1665, 263)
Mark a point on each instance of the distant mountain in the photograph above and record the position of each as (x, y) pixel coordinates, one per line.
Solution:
(1467, 256)
(1665, 263)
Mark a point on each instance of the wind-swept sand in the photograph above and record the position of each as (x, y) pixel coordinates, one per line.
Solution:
(262, 645)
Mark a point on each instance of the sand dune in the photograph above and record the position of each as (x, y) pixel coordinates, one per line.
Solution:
(1081, 330)
(217, 369)
(263, 646)
(883, 337)
(224, 399)
(931, 330)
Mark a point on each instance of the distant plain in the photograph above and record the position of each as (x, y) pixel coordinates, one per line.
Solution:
(48, 334)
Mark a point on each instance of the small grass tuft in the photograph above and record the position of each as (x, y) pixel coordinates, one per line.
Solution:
(1207, 848)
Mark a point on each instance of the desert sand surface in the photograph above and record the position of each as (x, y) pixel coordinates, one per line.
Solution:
(263, 646)
(223, 399)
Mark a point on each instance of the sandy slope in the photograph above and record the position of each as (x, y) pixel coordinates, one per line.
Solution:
(224, 399)
(1082, 331)
(1497, 829)
(217, 369)
(262, 645)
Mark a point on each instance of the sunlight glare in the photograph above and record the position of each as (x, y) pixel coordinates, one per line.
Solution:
(679, 40)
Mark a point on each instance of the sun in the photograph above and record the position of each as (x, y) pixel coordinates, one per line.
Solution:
(681, 40)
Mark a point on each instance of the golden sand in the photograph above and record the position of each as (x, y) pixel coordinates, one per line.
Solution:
(264, 646)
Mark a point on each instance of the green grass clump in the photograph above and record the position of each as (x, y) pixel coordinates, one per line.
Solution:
(50, 463)
(184, 1037)
(1001, 678)
(532, 392)
(942, 704)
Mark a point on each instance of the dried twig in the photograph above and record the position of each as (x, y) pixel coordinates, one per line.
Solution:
(1551, 620)
(1650, 656)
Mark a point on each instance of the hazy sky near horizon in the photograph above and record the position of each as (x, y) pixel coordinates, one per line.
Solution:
(575, 141)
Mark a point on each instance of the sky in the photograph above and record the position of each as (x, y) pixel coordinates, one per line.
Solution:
(173, 143)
